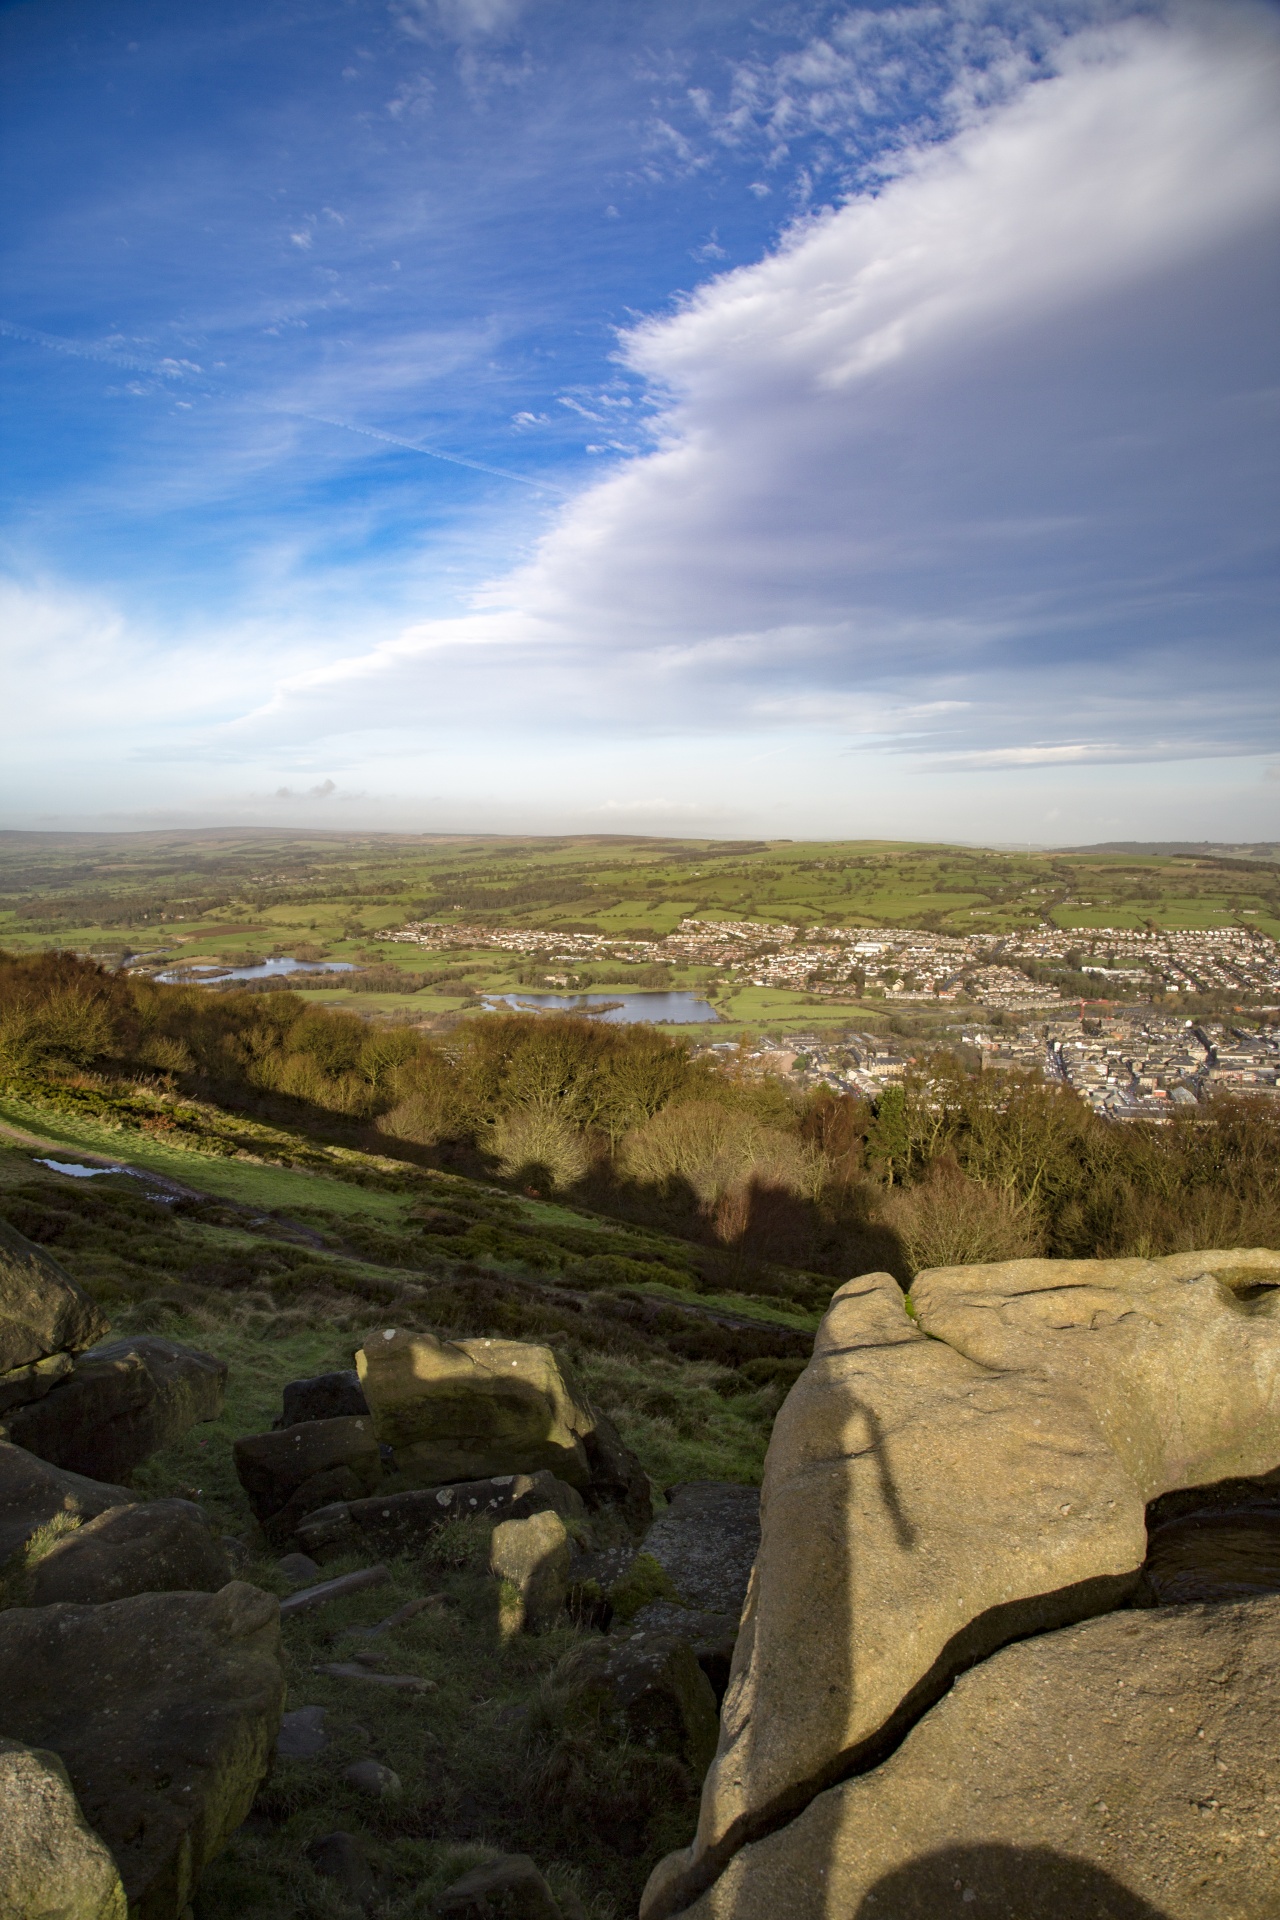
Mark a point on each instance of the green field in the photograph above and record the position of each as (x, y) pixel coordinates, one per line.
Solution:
(169, 898)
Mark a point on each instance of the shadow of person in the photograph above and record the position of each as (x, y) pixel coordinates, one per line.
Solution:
(997, 1882)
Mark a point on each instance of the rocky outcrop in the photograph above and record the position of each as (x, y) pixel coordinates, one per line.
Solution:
(401, 1522)
(289, 1473)
(164, 1547)
(42, 1310)
(120, 1403)
(53, 1866)
(467, 1409)
(38, 1502)
(163, 1709)
(1127, 1766)
(940, 1486)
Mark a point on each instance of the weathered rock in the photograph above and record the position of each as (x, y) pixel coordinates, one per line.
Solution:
(120, 1404)
(302, 1599)
(531, 1559)
(32, 1382)
(371, 1777)
(52, 1864)
(302, 1735)
(706, 1542)
(655, 1682)
(399, 1522)
(325, 1396)
(164, 1709)
(163, 1547)
(298, 1567)
(465, 1409)
(289, 1473)
(341, 1857)
(1125, 1767)
(510, 1888)
(1179, 1358)
(617, 1477)
(42, 1310)
(712, 1636)
(918, 1511)
(35, 1496)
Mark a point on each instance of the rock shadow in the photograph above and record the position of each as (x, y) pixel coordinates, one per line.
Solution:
(997, 1882)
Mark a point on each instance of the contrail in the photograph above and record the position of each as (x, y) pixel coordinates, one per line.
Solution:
(194, 377)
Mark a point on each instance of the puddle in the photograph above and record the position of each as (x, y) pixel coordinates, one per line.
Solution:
(76, 1171)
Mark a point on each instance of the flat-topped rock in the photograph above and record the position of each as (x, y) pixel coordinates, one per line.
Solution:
(1179, 1358)
(1126, 1767)
(43, 1310)
(466, 1409)
(399, 1522)
(706, 1543)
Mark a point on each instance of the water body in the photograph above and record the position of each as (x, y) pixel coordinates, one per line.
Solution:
(205, 972)
(624, 1009)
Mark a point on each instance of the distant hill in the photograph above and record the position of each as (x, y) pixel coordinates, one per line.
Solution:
(1204, 849)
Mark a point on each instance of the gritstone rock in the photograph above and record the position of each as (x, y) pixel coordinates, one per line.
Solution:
(52, 1864)
(302, 1735)
(1127, 1767)
(325, 1396)
(372, 1778)
(617, 1477)
(706, 1542)
(121, 1403)
(164, 1547)
(465, 1409)
(508, 1889)
(918, 1511)
(289, 1473)
(42, 1310)
(35, 1496)
(164, 1709)
(531, 1559)
(399, 1522)
(1178, 1358)
(33, 1381)
(655, 1682)
(712, 1636)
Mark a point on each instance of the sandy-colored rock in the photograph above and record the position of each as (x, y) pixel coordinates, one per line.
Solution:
(162, 1547)
(1179, 1358)
(1125, 1767)
(164, 1709)
(42, 1309)
(466, 1409)
(122, 1402)
(531, 1559)
(53, 1866)
(292, 1471)
(917, 1512)
(35, 1496)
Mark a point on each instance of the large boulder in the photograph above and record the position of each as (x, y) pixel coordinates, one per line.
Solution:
(1178, 1358)
(164, 1710)
(290, 1472)
(164, 1547)
(466, 1409)
(38, 1502)
(42, 1310)
(323, 1396)
(53, 1866)
(401, 1522)
(122, 1402)
(1125, 1767)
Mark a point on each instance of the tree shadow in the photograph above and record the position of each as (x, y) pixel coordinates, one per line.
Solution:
(992, 1881)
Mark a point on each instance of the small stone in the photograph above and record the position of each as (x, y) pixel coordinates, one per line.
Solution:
(509, 1888)
(531, 1559)
(341, 1857)
(302, 1734)
(299, 1569)
(371, 1777)
(325, 1396)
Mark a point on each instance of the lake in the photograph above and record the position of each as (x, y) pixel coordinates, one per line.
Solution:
(206, 972)
(625, 1009)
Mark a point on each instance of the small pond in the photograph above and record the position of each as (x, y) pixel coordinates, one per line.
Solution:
(624, 1009)
(208, 972)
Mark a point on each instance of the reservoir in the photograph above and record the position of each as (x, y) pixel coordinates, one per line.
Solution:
(624, 1009)
(208, 972)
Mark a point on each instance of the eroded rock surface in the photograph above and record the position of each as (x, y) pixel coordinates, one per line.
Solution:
(162, 1547)
(164, 1710)
(1127, 1766)
(466, 1409)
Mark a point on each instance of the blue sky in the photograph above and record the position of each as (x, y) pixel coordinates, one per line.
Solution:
(604, 414)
